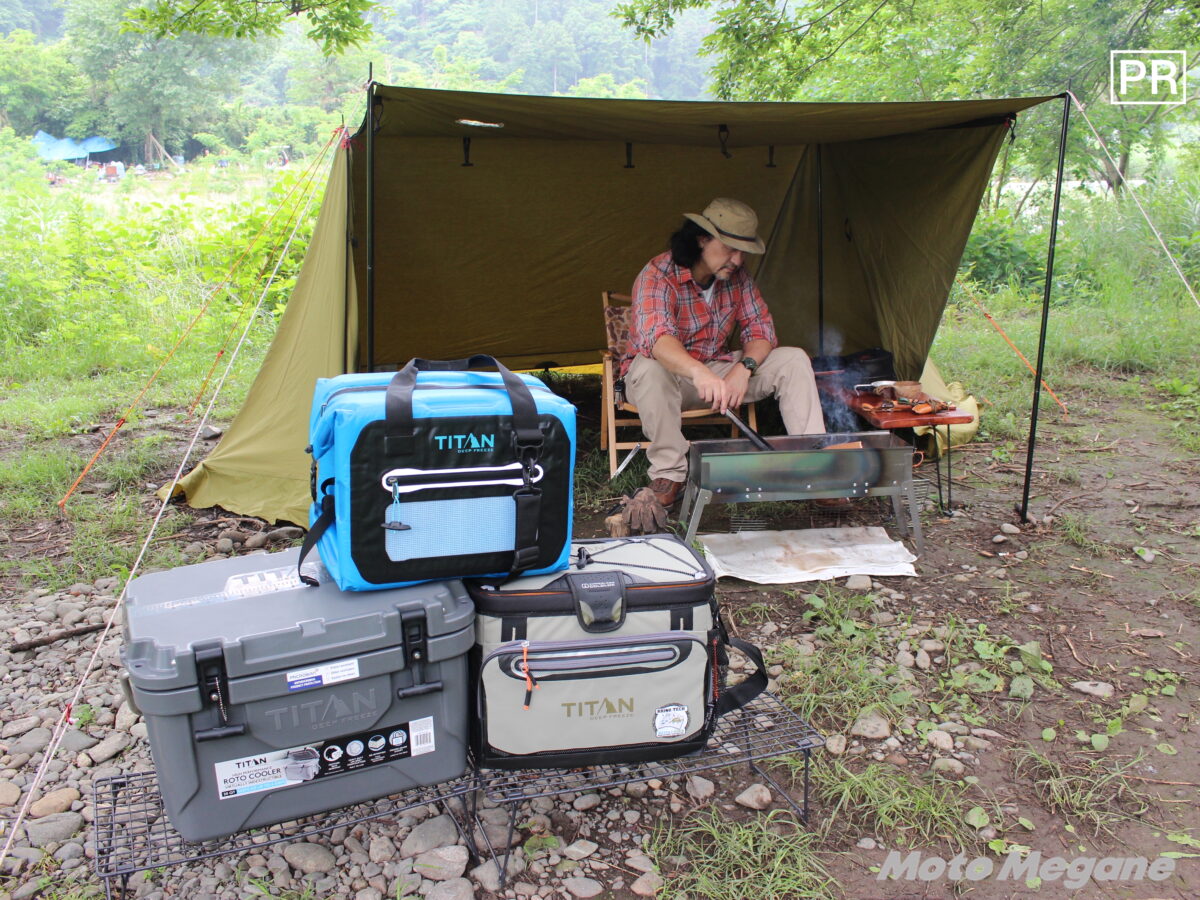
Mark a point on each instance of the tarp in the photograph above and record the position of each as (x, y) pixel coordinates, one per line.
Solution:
(498, 220)
(50, 147)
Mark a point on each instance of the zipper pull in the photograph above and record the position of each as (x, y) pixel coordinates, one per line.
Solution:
(530, 681)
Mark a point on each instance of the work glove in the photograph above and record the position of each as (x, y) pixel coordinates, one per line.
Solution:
(643, 513)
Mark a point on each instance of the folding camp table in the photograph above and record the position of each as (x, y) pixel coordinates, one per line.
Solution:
(898, 419)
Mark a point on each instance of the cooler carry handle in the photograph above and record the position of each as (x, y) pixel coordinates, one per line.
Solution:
(740, 694)
(398, 405)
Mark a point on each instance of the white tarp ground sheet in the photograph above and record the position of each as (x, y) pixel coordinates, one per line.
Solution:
(812, 554)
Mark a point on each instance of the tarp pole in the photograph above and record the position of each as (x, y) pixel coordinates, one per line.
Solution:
(346, 298)
(820, 256)
(1041, 354)
(371, 226)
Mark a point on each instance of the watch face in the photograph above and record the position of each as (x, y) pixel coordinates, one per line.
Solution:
(749, 362)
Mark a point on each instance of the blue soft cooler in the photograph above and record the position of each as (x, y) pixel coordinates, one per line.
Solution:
(428, 473)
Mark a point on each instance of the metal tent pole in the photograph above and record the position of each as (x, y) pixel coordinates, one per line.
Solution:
(820, 255)
(370, 211)
(1041, 354)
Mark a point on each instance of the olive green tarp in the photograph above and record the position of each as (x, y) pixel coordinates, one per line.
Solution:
(498, 220)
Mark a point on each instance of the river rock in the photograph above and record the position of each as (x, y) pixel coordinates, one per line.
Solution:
(73, 741)
(647, 885)
(583, 887)
(757, 796)
(32, 741)
(454, 889)
(109, 747)
(442, 863)
(10, 794)
(17, 727)
(940, 740)
(439, 831)
(581, 849)
(872, 726)
(381, 850)
(256, 541)
(309, 858)
(54, 829)
(858, 583)
(55, 802)
(586, 801)
(700, 789)
(1102, 690)
(835, 744)
(488, 874)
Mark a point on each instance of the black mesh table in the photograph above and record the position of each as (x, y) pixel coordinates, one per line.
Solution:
(131, 831)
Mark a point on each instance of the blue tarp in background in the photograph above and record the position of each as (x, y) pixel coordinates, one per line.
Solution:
(50, 147)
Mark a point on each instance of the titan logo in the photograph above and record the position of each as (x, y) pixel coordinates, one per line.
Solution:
(324, 713)
(603, 708)
(467, 443)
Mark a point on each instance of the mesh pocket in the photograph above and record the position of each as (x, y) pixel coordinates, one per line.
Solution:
(451, 528)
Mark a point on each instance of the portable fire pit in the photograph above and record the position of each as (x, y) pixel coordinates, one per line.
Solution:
(802, 467)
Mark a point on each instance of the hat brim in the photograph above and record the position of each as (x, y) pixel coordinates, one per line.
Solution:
(754, 246)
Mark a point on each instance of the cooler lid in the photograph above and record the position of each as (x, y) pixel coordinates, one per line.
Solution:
(652, 559)
(265, 619)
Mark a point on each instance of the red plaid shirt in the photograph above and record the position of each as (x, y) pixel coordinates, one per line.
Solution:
(667, 300)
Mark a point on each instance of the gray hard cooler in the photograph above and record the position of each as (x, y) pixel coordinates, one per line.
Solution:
(266, 700)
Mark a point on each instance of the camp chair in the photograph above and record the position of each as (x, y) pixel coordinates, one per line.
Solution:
(615, 411)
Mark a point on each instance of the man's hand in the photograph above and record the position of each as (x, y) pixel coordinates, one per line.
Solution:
(736, 382)
(713, 389)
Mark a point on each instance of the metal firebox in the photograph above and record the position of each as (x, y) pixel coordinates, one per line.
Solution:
(802, 467)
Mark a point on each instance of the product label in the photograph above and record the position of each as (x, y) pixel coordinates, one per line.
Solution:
(254, 584)
(671, 721)
(295, 765)
(319, 676)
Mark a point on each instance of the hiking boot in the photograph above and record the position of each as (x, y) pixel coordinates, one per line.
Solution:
(666, 491)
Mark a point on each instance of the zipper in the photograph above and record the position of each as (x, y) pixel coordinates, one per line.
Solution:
(393, 480)
(567, 657)
(358, 388)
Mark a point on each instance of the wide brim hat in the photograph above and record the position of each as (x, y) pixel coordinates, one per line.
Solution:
(731, 222)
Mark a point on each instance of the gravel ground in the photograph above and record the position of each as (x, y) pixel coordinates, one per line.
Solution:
(579, 845)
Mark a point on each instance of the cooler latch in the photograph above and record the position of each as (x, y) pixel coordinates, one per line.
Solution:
(214, 693)
(416, 654)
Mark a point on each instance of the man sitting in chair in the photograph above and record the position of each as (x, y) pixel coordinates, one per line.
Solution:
(686, 303)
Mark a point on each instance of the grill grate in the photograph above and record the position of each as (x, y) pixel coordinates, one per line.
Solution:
(762, 729)
(132, 832)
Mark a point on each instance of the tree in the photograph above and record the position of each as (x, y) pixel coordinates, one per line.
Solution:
(153, 92)
(933, 50)
(39, 85)
(334, 24)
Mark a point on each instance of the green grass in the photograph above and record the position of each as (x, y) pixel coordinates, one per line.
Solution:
(97, 534)
(840, 681)
(1093, 794)
(766, 857)
(1077, 531)
(880, 799)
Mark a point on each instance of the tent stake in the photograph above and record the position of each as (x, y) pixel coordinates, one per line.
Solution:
(1041, 354)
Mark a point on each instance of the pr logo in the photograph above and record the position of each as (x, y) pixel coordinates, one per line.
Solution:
(1147, 77)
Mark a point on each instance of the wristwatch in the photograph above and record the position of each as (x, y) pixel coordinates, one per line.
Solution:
(750, 363)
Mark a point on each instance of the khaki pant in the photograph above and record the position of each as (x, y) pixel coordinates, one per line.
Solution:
(661, 396)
